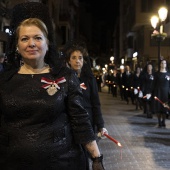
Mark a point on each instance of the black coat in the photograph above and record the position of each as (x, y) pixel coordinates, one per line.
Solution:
(127, 80)
(92, 101)
(147, 83)
(161, 90)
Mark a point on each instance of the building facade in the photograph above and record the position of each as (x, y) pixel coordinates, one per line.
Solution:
(134, 30)
(63, 13)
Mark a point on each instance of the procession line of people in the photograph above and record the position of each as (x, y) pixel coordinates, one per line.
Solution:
(147, 89)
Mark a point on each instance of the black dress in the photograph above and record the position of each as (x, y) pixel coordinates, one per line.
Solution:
(127, 82)
(161, 90)
(147, 86)
(137, 85)
(39, 131)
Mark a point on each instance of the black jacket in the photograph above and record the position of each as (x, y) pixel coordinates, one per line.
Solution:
(92, 101)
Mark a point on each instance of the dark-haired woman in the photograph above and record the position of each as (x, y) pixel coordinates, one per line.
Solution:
(147, 85)
(137, 88)
(77, 59)
(161, 91)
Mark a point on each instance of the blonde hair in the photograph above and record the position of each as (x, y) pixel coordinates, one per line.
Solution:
(33, 21)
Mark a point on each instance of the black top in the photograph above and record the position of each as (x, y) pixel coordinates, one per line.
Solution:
(147, 83)
(39, 131)
(127, 80)
(136, 81)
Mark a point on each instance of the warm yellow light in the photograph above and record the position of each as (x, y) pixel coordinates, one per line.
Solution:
(122, 67)
(162, 13)
(154, 21)
(111, 58)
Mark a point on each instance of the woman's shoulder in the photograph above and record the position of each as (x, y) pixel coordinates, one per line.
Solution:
(7, 75)
(66, 72)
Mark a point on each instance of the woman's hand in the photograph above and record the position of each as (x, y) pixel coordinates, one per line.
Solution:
(101, 133)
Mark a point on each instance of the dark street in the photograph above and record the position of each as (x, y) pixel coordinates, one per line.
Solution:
(145, 146)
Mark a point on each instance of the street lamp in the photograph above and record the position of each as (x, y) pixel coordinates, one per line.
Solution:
(122, 61)
(112, 59)
(135, 54)
(157, 24)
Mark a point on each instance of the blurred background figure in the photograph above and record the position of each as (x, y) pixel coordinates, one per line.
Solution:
(114, 83)
(99, 81)
(147, 85)
(137, 88)
(109, 81)
(161, 91)
(120, 83)
(127, 81)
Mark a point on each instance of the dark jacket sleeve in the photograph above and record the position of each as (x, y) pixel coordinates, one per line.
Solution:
(96, 106)
(80, 122)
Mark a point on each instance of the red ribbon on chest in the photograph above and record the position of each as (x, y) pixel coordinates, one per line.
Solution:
(52, 82)
(82, 85)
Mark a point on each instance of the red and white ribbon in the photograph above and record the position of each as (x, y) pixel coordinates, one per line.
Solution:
(52, 82)
(82, 85)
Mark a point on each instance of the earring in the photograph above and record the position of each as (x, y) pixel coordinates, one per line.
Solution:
(17, 50)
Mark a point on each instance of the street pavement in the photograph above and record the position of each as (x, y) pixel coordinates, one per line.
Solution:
(144, 145)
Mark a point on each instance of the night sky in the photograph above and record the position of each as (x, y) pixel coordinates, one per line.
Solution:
(103, 10)
(104, 13)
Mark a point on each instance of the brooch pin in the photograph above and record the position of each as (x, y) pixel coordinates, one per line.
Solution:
(52, 85)
(151, 77)
(167, 77)
(82, 85)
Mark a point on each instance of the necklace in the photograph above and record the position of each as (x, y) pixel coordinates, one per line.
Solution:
(26, 70)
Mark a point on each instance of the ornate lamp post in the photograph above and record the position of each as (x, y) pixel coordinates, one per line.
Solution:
(157, 23)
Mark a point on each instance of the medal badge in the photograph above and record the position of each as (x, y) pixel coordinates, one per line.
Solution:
(52, 90)
(52, 85)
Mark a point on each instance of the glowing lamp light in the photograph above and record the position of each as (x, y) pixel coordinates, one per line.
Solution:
(122, 67)
(154, 21)
(162, 13)
(135, 54)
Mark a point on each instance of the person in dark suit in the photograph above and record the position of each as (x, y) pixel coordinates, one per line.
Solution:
(137, 88)
(147, 86)
(114, 82)
(127, 81)
(120, 83)
(99, 82)
(109, 81)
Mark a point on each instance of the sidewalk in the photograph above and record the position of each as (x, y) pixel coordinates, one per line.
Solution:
(145, 146)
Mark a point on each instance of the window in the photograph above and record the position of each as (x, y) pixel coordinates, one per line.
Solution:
(130, 42)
